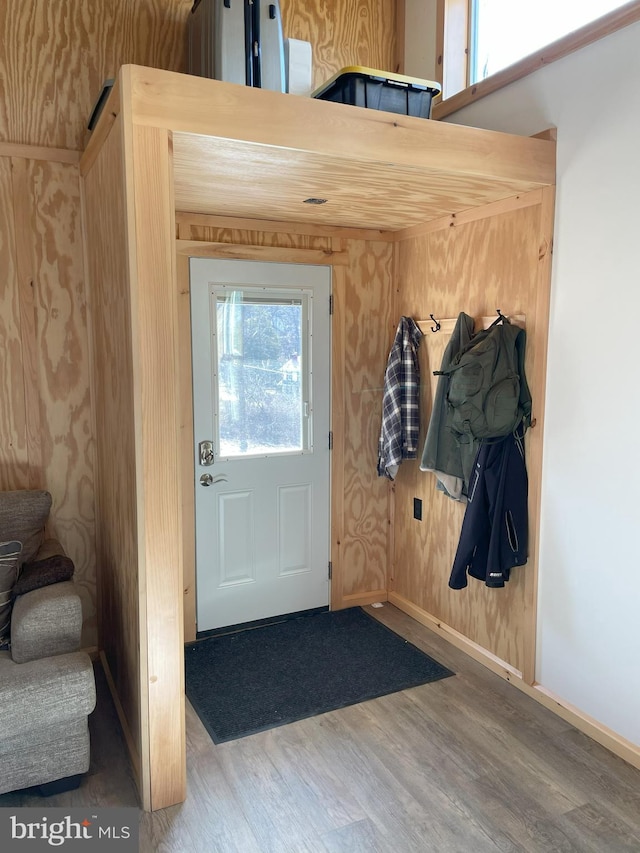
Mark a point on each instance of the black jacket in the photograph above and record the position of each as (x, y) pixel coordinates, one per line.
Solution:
(495, 529)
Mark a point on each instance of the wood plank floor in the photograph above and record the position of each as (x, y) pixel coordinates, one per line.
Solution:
(466, 764)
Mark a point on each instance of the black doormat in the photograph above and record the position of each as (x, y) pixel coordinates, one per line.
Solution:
(253, 680)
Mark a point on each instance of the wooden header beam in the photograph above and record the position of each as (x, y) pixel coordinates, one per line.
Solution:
(212, 108)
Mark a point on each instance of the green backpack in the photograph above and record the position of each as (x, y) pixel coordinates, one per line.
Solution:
(488, 395)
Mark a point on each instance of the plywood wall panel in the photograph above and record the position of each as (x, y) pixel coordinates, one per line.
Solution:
(476, 268)
(45, 426)
(55, 56)
(66, 435)
(27, 289)
(14, 459)
(113, 379)
(343, 33)
(368, 301)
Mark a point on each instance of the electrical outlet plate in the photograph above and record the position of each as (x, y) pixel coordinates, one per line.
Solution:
(417, 509)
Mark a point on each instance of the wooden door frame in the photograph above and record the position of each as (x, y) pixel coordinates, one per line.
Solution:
(186, 249)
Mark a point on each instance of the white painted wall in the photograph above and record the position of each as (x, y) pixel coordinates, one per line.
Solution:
(589, 600)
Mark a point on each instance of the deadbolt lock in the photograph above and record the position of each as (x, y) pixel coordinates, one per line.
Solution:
(206, 452)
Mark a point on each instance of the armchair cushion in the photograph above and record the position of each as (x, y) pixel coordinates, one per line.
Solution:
(23, 515)
(44, 755)
(44, 706)
(9, 556)
(54, 569)
(45, 622)
(45, 692)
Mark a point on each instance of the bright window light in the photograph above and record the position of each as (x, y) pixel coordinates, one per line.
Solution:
(504, 31)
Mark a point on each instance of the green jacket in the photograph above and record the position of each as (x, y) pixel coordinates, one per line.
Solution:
(449, 460)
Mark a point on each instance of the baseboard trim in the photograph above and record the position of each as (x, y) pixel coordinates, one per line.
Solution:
(612, 741)
(494, 663)
(606, 737)
(361, 599)
(134, 756)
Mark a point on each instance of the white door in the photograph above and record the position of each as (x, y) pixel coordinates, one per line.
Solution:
(261, 382)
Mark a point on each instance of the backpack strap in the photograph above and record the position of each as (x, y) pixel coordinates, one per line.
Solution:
(525, 393)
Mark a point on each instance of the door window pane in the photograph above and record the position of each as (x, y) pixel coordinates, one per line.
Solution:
(261, 376)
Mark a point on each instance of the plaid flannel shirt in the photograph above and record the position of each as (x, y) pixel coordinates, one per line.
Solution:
(400, 404)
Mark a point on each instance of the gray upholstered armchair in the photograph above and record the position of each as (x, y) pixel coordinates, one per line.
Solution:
(47, 687)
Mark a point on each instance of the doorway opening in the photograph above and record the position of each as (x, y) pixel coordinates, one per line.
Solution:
(261, 346)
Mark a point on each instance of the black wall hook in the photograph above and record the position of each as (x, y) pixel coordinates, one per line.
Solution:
(435, 328)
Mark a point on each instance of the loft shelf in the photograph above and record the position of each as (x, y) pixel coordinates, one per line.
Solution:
(258, 154)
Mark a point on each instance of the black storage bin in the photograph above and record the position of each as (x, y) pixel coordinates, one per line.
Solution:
(378, 90)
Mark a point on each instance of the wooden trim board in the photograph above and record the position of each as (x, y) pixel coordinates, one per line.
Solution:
(241, 251)
(204, 220)
(195, 106)
(39, 152)
(537, 331)
(155, 337)
(448, 324)
(338, 334)
(106, 121)
(362, 599)
(401, 20)
(187, 467)
(473, 214)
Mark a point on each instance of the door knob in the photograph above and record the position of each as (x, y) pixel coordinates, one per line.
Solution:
(208, 480)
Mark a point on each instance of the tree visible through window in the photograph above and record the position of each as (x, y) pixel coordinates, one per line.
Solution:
(504, 31)
(261, 382)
